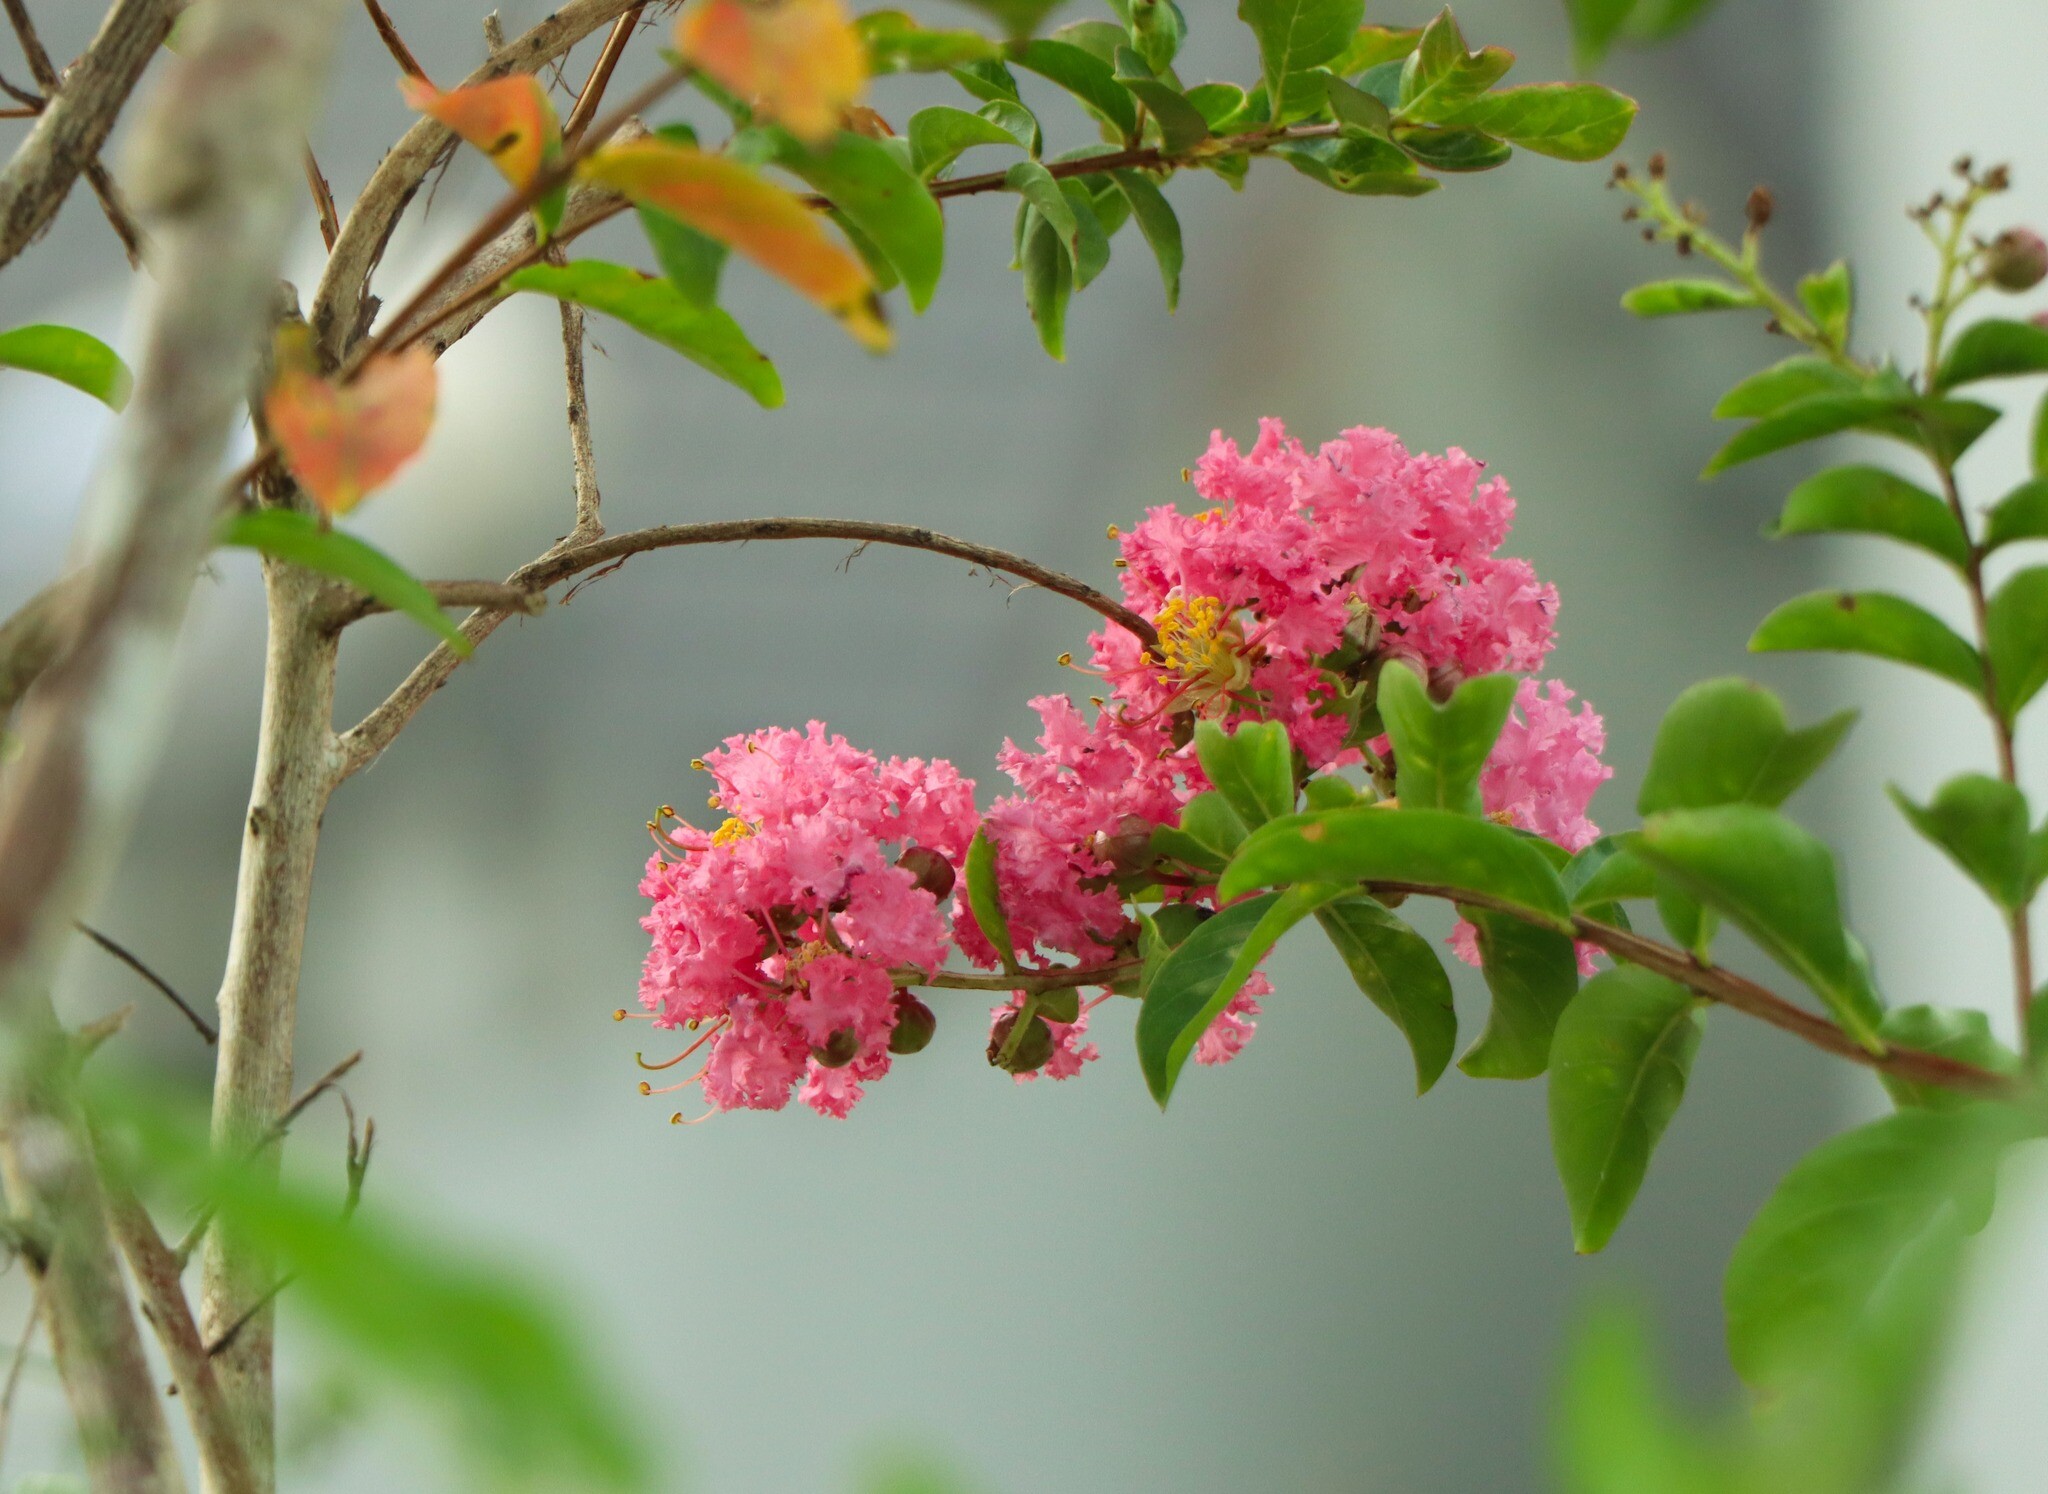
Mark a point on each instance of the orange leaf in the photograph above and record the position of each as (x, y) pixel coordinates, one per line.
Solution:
(796, 61)
(508, 119)
(720, 197)
(343, 441)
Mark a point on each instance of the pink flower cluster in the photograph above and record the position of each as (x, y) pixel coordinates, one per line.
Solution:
(789, 928)
(781, 929)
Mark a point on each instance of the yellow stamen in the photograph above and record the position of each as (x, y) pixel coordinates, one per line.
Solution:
(730, 831)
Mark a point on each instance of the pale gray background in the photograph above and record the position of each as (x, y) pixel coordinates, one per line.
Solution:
(1305, 1278)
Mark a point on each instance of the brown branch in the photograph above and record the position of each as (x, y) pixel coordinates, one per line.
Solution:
(387, 33)
(361, 744)
(601, 75)
(582, 452)
(1034, 982)
(346, 605)
(76, 120)
(323, 199)
(205, 1028)
(1744, 995)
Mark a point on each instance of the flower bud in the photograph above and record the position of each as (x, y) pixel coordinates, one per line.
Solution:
(934, 872)
(1129, 848)
(840, 1049)
(2017, 260)
(1444, 681)
(914, 1025)
(1759, 208)
(1032, 1051)
(1363, 632)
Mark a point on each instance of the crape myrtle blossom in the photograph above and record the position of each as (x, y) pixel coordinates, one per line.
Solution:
(791, 929)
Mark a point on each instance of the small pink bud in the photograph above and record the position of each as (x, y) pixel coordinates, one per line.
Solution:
(914, 1025)
(2017, 260)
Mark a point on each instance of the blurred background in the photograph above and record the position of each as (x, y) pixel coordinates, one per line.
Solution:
(1305, 1278)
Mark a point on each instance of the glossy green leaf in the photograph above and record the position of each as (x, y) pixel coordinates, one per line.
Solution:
(1441, 76)
(1181, 125)
(1995, 349)
(1091, 243)
(1725, 741)
(1156, 220)
(1356, 110)
(1805, 1273)
(1041, 189)
(284, 534)
(1607, 872)
(1829, 297)
(1781, 384)
(1870, 500)
(2016, 636)
(70, 357)
(1776, 882)
(939, 135)
(991, 82)
(1532, 973)
(1681, 297)
(985, 899)
(1981, 823)
(1253, 768)
(1085, 76)
(1375, 46)
(872, 185)
(1357, 165)
(1440, 750)
(1400, 973)
(1874, 623)
(1618, 1067)
(1048, 264)
(2021, 514)
(692, 261)
(2038, 447)
(1427, 846)
(1296, 35)
(1687, 923)
(1097, 38)
(1619, 1433)
(1457, 150)
(1953, 1032)
(1220, 104)
(1197, 980)
(895, 43)
(1808, 420)
(1208, 821)
(1570, 121)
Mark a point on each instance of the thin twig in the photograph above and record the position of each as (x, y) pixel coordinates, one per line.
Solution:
(581, 450)
(351, 605)
(601, 75)
(129, 958)
(52, 84)
(323, 199)
(387, 33)
(33, 102)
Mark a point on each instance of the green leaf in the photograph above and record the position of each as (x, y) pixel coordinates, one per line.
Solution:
(1981, 822)
(1996, 349)
(1048, 265)
(1607, 872)
(1874, 623)
(940, 134)
(1725, 741)
(1357, 165)
(1041, 189)
(1374, 46)
(990, 82)
(870, 183)
(2039, 446)
(1870, 500)
(1781, 384)
(1399, 971)
(1533, 973)
(1208, 835)
(1952, 1032)
(1181, 125)
(1085, 76)
(1197, 980)
(1828, 296)
(1776, 882)
(284, 534)
(1018, 17)
(1945, 428)
(692, 261)
(1688, 925)
(1219, 104)
(703, 334)
(1253, 768)
(1595, 25)
(1681, 297)
(1296, 35)
(1440, 750)
(985, 898)
(1619, 1433)
(1804, 1275)
(2016, 637)
(895, 43)
(1453, 150)
(1571, 121)
(2021, 514)
(1091, 249)
(1356, 110)
(70, 357)
(1156, 220)
(1618, 1066)
(1428, 846)
(1440, 76)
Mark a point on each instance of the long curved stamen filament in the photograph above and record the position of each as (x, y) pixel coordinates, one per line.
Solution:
(669, 1089)
(677, 1119)
(711, 1033)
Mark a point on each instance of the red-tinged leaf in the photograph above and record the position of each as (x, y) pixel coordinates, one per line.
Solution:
(509, 119)
(736, 206)
(344, 441)
(799, 62)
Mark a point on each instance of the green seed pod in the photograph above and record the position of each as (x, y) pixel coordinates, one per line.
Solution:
(2017, 260)
(914, 1025)
(840, 1049)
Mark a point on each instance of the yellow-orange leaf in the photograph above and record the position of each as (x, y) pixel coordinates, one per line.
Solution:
(798, 62)
(508, 119)
(344, 441)
(733, 204)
